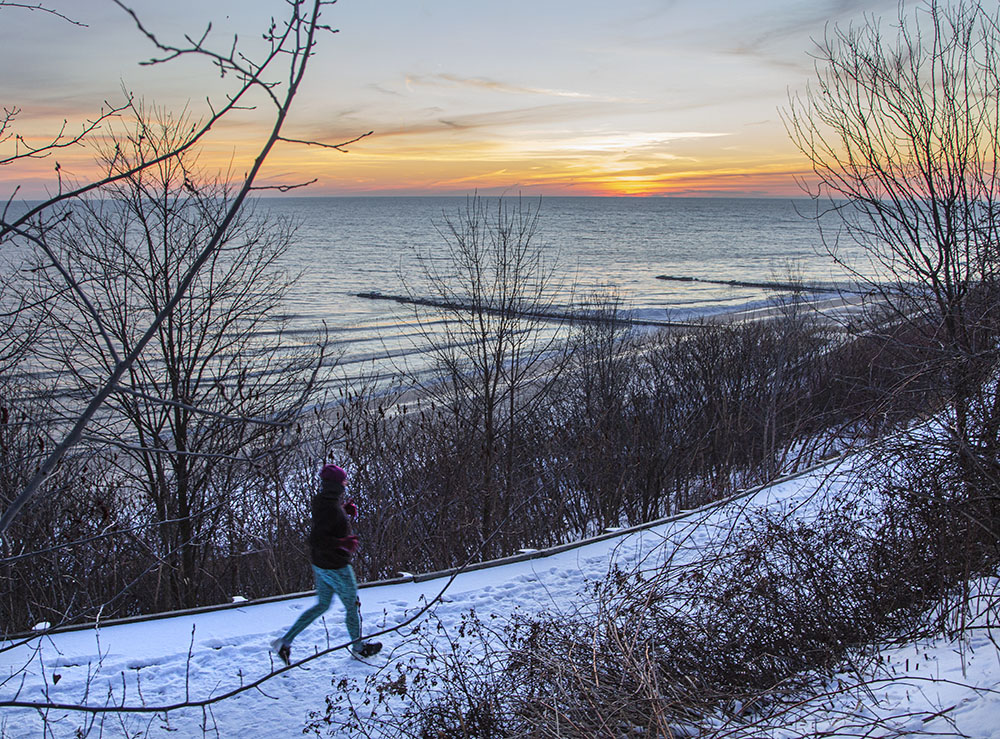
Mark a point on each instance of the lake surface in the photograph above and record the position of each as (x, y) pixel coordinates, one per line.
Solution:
(346, 246)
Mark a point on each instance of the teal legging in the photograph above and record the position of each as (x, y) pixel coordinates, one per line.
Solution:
(340, 581)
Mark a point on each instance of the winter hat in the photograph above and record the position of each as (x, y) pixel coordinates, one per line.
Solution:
(332, 473)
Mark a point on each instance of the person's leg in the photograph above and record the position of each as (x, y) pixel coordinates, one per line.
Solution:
(324, 595)
(346, 587)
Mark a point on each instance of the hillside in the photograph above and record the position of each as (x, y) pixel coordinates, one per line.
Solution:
(939, 688)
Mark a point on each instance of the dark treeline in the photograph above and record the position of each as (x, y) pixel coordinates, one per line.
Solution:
(634, 429)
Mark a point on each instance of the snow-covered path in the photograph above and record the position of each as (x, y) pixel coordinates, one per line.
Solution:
(167, 661)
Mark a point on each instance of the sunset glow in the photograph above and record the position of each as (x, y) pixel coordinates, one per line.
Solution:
(639, 98)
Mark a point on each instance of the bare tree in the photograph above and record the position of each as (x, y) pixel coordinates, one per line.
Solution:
(493, 337)
(277, 77)
(211, 396)
(903, 135)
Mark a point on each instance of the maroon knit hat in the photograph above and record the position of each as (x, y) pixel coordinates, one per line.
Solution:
(332, 473)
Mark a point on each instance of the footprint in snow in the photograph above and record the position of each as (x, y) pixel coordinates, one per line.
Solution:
(139, 664)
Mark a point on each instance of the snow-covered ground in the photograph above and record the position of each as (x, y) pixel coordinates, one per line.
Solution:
(938, 688)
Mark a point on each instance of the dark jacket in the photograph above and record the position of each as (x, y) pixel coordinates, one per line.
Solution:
(331, 542)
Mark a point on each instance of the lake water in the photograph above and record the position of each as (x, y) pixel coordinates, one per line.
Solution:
(347, 246)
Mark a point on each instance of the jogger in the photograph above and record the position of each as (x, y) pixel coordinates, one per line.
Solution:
(331, 546)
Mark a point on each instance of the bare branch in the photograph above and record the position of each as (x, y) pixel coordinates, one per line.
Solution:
(41, 8)
(200, 411)
(284, 188)
(338, 147)
(74, 286)
(23, 150)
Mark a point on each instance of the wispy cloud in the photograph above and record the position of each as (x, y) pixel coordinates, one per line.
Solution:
(764, 36)
(629, 140)
(496, 120)
(491, 85)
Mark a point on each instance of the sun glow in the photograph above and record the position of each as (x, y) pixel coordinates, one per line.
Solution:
(624, 104)
(603, 163)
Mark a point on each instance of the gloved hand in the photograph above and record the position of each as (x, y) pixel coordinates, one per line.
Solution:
(350, 509)
(349, 544)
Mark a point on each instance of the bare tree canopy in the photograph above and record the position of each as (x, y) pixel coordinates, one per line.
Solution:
(277, 76)
(902, 130)
(211, 396)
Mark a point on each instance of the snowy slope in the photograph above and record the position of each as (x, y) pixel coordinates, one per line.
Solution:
(168, 661)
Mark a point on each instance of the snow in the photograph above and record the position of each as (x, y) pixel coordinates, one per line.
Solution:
(942, 687)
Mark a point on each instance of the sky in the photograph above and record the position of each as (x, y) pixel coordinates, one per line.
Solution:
(540, 97)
